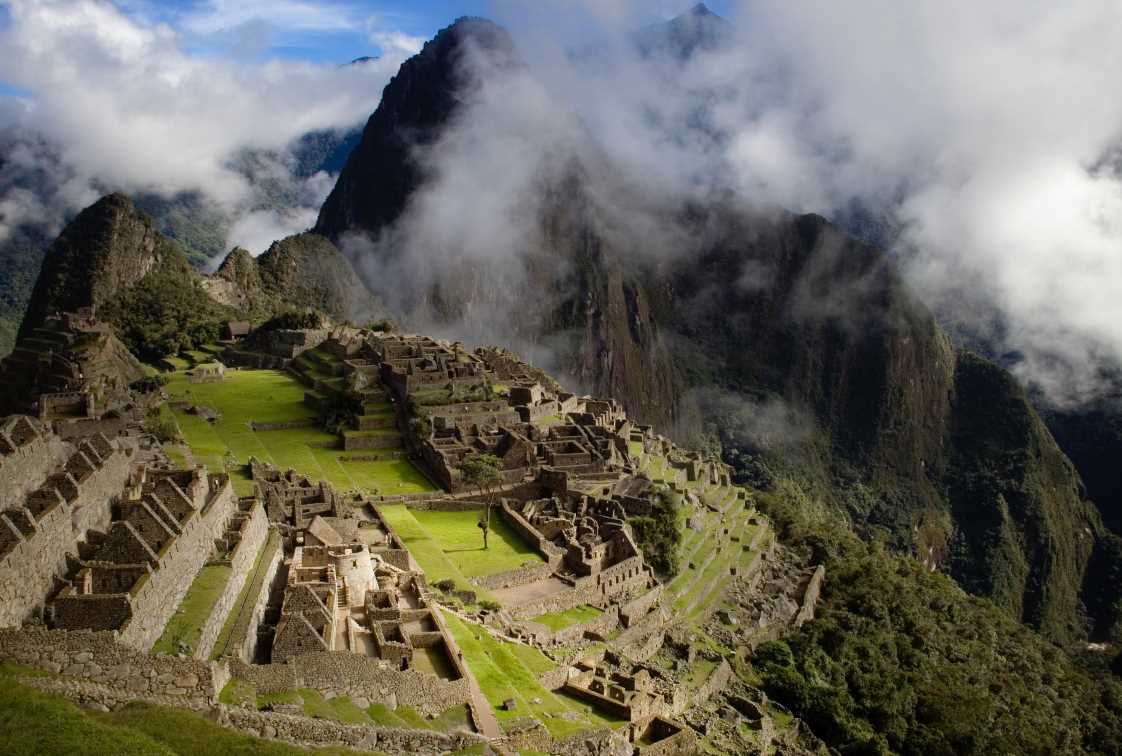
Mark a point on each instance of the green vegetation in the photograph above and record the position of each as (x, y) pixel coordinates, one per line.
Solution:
(458, 536)
(900, 659)
(245, 397)
(293, 320)
(342, 709)
(167, 310)
(508, 671)
(660, 533)
(560, 620)
(237, 621)
(32, 722)
(185, 626)
(483, 472)
(160, 422)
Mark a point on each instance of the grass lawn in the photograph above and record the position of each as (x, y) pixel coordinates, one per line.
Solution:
(342, 709)
(427, 551)
(502, 673)
(560, 620)
(32, 722)
(462, 541)
(271, 396)
(186, 624)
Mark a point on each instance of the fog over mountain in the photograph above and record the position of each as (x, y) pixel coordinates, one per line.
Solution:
(975, 141)
(168, 121)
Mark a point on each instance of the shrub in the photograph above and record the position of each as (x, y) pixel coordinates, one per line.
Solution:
(660, 533)
(293, 320)
(161, 424)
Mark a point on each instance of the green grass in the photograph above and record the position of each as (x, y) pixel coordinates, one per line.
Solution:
(270, 396)
(32, 722)
(343, 709)
(428, 552)
(462, 542)
(186, 624)
(240, 613)
(503, 674)
(560, 620)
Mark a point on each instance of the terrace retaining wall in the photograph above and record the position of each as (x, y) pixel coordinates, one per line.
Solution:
(100, 657)
(346, 674)
(241, 566)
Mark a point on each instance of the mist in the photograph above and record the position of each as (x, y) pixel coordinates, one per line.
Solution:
(113, 102)
(978, 140)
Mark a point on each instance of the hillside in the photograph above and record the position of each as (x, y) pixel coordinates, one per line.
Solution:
(111, 258)
(755, 309)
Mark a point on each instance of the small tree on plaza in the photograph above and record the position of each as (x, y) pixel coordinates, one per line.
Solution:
(484, 472)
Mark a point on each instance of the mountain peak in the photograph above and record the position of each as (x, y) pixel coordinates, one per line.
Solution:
(415, 106)
(697, 29)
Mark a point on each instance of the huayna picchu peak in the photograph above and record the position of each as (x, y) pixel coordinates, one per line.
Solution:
(548, 412)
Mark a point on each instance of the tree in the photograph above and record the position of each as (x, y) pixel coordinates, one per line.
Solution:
(484, 472)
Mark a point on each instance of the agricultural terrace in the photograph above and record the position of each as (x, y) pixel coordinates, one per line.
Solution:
(509, 671)
(246, 397)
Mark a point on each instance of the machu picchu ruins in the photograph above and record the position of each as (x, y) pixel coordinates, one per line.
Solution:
(343, 588)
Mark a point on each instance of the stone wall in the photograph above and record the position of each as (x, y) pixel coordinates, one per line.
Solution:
(241, 566)
(22, 469)
(100, 658)
(346, 674)
(320, 732)
(110, 426)
(717, 681)
(157, 598)
(448, 505)
(361, 443)
(530, 573)
(28, 571)
(810, 597)
(633, 610)
(601, 626)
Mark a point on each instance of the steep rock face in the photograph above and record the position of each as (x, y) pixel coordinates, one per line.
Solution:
(381, 171)
(1024, 530)
(108, 247)
(769, 310)
(305, 270)
(111, 257)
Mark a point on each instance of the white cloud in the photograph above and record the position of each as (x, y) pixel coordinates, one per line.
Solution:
(221, 15)
(121, 105)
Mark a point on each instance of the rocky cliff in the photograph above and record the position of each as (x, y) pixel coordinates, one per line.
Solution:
(305, 270)
(805, 335)
(112, 258)
(107, 248)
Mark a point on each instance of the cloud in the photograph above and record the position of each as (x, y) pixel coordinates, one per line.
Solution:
(121, 105)
(987, 136)
(979, 129)
(221, 15)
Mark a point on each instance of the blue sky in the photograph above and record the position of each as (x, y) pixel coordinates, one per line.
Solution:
(332, 30)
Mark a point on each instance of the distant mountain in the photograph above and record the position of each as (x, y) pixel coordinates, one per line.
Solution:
(199, 225)
(935, 447)
(112, 257)
(698, 29)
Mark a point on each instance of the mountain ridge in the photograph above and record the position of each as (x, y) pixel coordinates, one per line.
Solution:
(829, 329)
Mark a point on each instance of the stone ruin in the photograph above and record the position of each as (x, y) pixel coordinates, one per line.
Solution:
(351, 585)
(132, 577)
